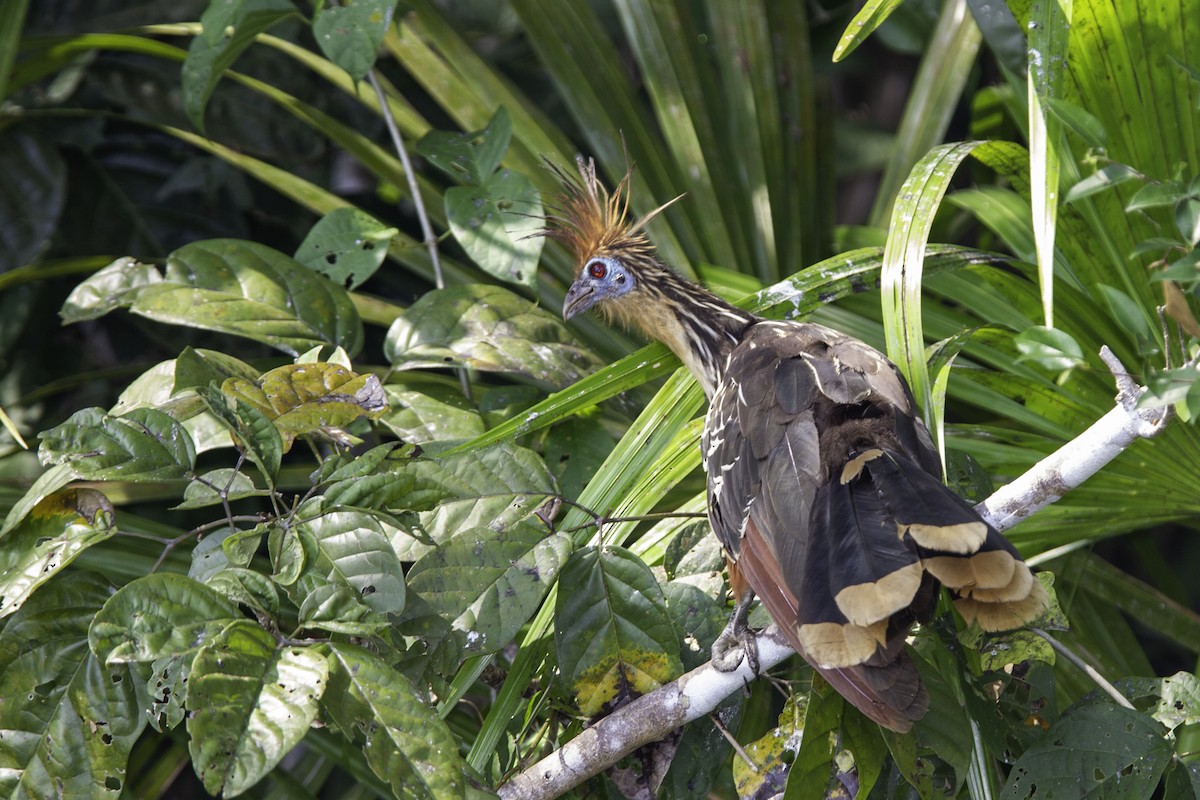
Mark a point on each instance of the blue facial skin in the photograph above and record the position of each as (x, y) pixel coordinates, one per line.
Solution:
(601, 279)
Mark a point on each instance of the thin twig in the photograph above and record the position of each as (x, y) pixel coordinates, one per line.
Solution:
(737, 747)
(1100, 680)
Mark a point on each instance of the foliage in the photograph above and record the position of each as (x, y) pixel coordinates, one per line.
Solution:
(305, 540)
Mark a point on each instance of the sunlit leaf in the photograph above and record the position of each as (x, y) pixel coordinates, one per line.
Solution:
(346, 245)
(56, 531)
(142, 445)
(496, 222)
(218, 486)
(252, 702)
(487, 328)
(67, 721)
(429, 413)
(406, 743)
(198, 367)
(156, 616)
(1049, 348)
(469, 157)
(489, 583)
(351, 548)
(614, 636)
(230, 286)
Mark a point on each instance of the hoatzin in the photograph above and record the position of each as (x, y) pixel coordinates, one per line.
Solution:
(824, 487)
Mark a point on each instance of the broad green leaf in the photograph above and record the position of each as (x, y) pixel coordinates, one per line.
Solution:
(156, 616)
(218, 486)
(1156, 195)
(67, 721)
(698, 618)
(55, 532)
(252, 702)
(613, 633)
(489, 583)
(253, 431)
(1187, 220)
(429, 414)
(490, 329)
(305, 398)
(1096, 750)
(346, 245)
(349, 34)
(421, 484)
(33, 195)
(142, 445)
(497, 223)
(773, 753)
(335, 607)
(156, 388)
(351, 549)
(229, 28)
(198, 367)
(247, 587)
(469, 158)
(287, 552)
(575, 451)
(1079, 121)
(406, 743)
(230, 286)
(345, 466)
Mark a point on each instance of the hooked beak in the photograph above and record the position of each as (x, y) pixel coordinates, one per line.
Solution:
(580, 298)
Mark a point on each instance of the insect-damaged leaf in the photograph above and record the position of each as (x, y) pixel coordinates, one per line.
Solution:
(142, 445)
(613, 631)
(304, 398)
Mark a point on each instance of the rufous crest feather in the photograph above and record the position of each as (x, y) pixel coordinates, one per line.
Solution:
(589, 220)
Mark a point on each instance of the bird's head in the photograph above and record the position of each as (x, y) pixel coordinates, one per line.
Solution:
(614, 259)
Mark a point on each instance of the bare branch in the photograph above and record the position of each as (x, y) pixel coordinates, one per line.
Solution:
(652, 716)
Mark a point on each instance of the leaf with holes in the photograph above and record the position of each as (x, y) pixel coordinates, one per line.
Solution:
(346, 245)
(613, 632)
(488, 583)
(407, 744)
(497, 223)
(160, 615)
(251, 703)
(305, 398)
(469, 157)
(67, 721)
(1095, 750)
(231, 286)
(490, 329)
(56, 531)
(142, 445)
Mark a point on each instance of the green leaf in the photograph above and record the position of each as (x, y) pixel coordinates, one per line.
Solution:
(230, 286)
(229, 28)
(198, 367)
(159, 615)
(167, 688)
(56, 531)
(1105, 178)
(430, 413)
(247, 587)
(813, 769)
(869, 17)
(142, 445)
(489, 583)
(349, 34)
(1096, 750)
(253, 431)
(1080, 122)
(335, 607)
(1156, 195)
(772, 754)
(406, 743)
(304, 398)
(613, 632)
(251, 704)
(67, 722)
(346, 245)
(497, 222)
(469, 157)
(490, 329)
(46, 484)
(1187, 219)
(1049, 348)
(218, 486)
(575, 451)
(352, 549)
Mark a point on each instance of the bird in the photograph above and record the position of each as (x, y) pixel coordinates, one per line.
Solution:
(824, 486)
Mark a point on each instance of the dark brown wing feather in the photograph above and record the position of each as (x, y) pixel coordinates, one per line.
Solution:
(826, 492)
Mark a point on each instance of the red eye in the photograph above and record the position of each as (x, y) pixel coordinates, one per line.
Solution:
(597, 269)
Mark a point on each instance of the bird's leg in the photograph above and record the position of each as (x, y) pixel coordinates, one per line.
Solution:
(737, 639)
